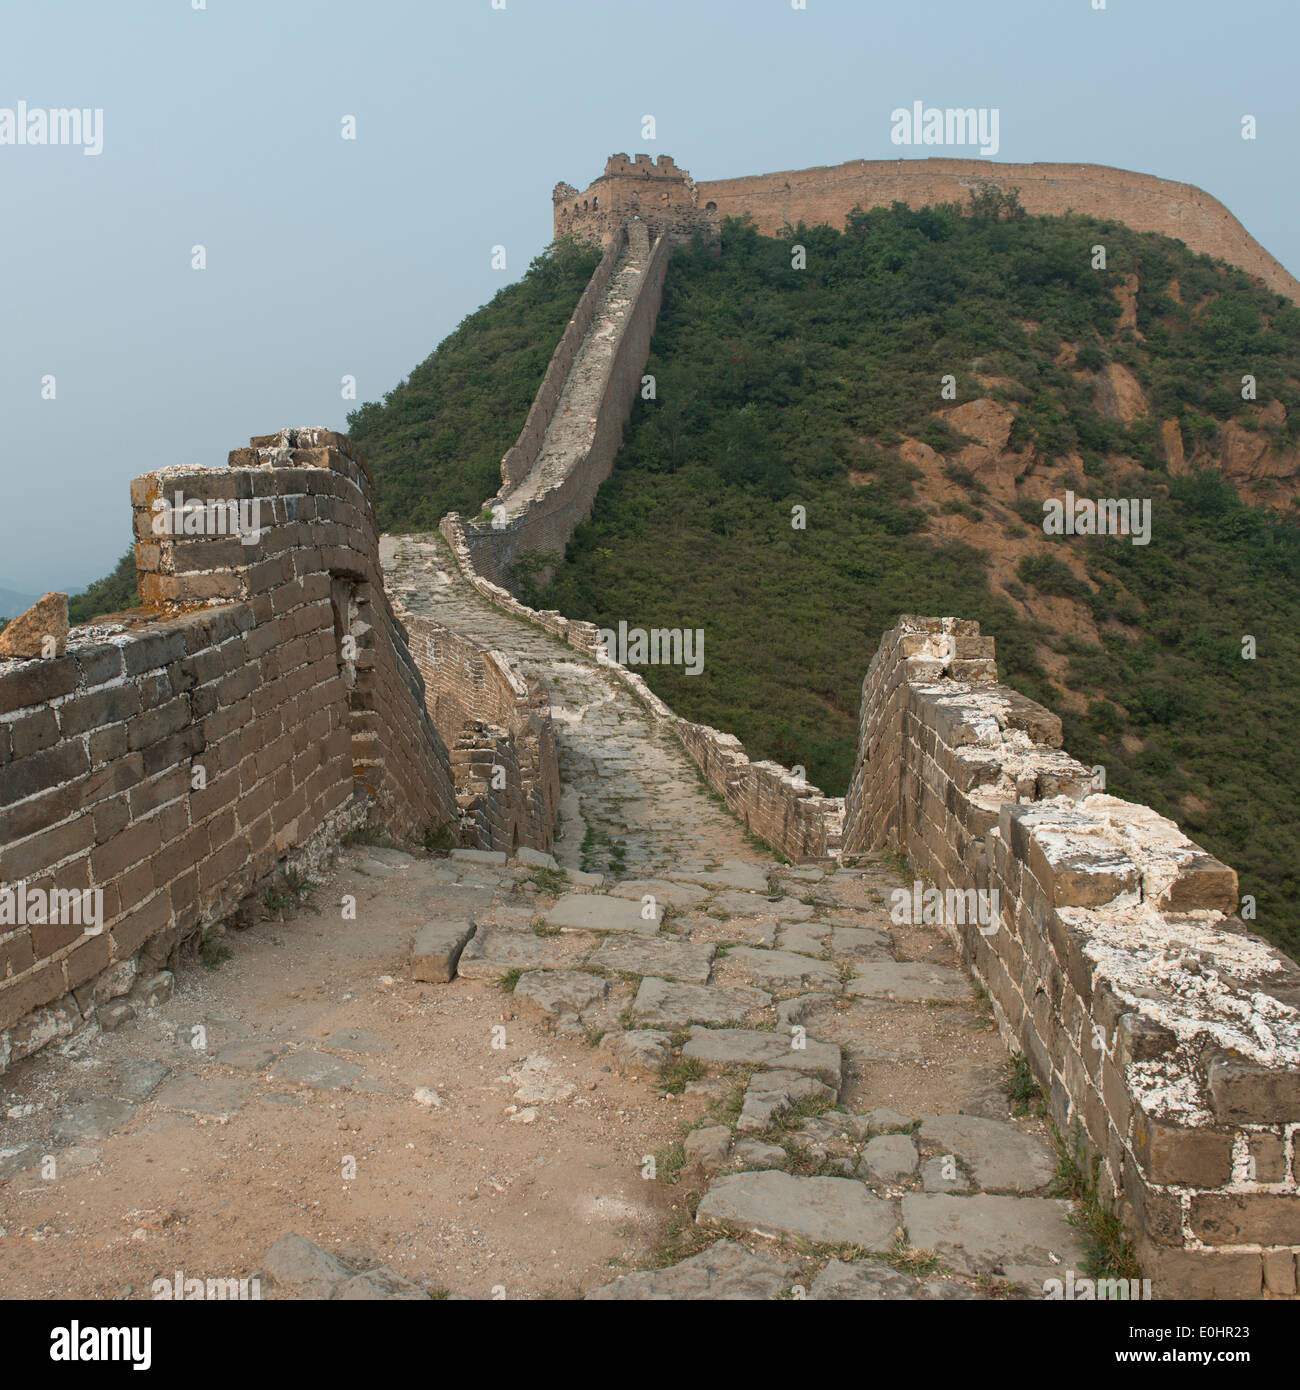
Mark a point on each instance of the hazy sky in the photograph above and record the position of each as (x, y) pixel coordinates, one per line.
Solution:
(222, 127)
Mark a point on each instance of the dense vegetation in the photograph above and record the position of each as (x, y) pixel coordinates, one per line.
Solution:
(773, 383)
(117, 590)
(436, 441)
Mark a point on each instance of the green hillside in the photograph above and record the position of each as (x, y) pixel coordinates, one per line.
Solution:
(780, 387)
(774, 385)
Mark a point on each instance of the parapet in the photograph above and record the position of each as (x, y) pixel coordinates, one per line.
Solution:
(1166, 1037)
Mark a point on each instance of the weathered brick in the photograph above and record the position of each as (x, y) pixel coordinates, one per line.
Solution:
(40, 771)
(36, 682)
(1256, 1218)
(32, 732)
(1243, 1092)
(99, 708)
(37, 853)
(124, 849)
(18, 997)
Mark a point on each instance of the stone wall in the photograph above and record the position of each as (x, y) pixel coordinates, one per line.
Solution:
(170, 760)
(521, 455)
(655, 192)
(829, 193)
(497, 725)
(555, 508)
(1165, 1036)
(791, 815)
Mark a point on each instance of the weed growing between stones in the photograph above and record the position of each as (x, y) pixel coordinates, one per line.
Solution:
(293, 890)
(1022, 1090)
(439, 839)
(674, 1075)
(550, 881)
(1110, 1251)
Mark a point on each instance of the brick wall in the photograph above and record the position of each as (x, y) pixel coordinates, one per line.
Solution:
(1165, 1036)
(497, 725)
(172, 759)
(521, 455)
(829, 193)
(553, 514)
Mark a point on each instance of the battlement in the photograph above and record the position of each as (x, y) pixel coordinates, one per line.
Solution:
(655, 192)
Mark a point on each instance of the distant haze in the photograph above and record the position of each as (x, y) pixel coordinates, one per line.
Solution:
(326, 257)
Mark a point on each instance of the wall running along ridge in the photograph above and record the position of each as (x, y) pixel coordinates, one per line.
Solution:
(1163, 1034)
(829, 193)
(792, 816)
(173, 758)
(542, 499)
(1166, 1038)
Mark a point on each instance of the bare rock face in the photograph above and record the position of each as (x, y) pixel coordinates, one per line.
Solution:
(27, 634)
(985, 420)
(1119, 395)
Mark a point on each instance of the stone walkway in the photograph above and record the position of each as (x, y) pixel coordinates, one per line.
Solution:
(667, 1066)
(855, 1081)
(572, 427)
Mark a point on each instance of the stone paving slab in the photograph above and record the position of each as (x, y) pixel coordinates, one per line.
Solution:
(560, 994)
(137, 1078)
(742, 1047)
(666, 1004)
(910, 982)
(685, 961)
(783, 970)
(212, 1097)
(253, 1054)
(984, 1234)
(865, 1281)
(1000, 1157)
(662, 890)
(494, 951)
(888, 1158)
(734, 873)
(763, 905)
(593, 912)
(317, 1070)
(749, 931)
(436, 948)
(725, 1271)
(94, 1119)
(836, 1210)
(864, 943)
(772, 1093)
(807, 938)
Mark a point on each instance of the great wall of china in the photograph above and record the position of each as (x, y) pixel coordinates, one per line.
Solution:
(272, 696)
